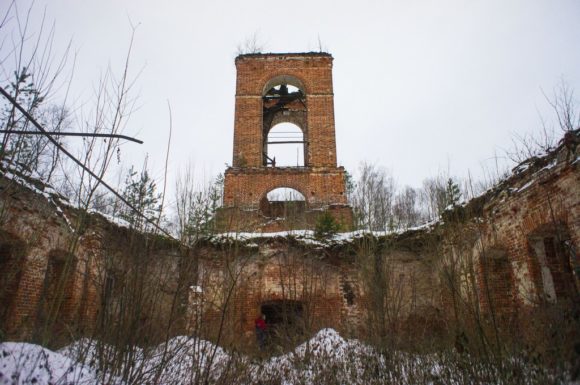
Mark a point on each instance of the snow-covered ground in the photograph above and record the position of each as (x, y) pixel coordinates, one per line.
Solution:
(22, 363)
(325, 358)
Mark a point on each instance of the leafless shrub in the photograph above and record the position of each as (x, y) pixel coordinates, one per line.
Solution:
(372, 199)
(567, 114)
(251, 45)
(406, 208)
(31, 73)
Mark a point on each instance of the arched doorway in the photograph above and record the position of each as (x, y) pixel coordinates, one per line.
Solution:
(285, 320)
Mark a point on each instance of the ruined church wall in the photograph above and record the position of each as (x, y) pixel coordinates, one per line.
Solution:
(43, 283)
(334, 286)
(223, 285)
(541, 204)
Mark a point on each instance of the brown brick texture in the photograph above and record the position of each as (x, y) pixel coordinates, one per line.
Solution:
(321, 182)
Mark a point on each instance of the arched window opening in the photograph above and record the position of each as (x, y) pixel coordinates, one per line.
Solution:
(292, 83)
(58, 292)
(285, 194)
(12, 256)
(284, 123)
(551, 246)
(112, 288)
(285, 146)
(497, 281)
(283, 90)
(283, 202)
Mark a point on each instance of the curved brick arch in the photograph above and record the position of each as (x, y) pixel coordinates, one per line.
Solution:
(297, 131)
(549, 228)
(284, 208)
(297, 119)
(271, 80)
(264, 195)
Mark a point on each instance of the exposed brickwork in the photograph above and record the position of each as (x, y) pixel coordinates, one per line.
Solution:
(249, 179)
(516, 247)
(43, 283)
(275, 270)
(535, 218)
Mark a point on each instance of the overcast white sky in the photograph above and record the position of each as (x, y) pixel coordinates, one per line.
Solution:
(420, 86)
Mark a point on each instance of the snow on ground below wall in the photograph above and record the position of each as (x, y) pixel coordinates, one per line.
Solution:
(182, 360)
(177, 361)
(325, 358)
(22, 363)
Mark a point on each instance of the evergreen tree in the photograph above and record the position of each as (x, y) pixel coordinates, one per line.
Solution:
(326, 226)
(202, 207)
(19, 147)
(141, 192)
(452, 193)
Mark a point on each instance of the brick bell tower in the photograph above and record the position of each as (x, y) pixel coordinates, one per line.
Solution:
(283, 90)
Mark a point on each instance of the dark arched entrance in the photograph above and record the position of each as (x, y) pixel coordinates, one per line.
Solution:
(285, 320)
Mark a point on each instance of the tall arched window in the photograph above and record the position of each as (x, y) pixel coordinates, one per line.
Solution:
(58, 291)
(497, 281)
(285, 124)
(285, 146)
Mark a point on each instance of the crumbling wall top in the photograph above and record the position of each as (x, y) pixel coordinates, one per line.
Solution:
(283, 55)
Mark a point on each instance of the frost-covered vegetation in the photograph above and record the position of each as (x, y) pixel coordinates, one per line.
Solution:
(327, 358)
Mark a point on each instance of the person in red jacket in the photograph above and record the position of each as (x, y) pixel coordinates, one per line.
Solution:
(261, 330)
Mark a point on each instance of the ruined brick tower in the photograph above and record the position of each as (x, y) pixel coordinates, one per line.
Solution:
(283, 90)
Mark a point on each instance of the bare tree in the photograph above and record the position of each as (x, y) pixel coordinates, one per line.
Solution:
(113, 105)
(31, 73)
(251, 44)
(565, 107)
(405, 209)
(372, 199)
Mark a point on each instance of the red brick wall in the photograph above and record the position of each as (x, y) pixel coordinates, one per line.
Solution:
(248, 181)
(246, 187)
(548, 207)
(276, 270)
(314, 72)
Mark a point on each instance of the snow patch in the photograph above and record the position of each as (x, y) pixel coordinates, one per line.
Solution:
(22, 363)
(526, 186)
(325, 358)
